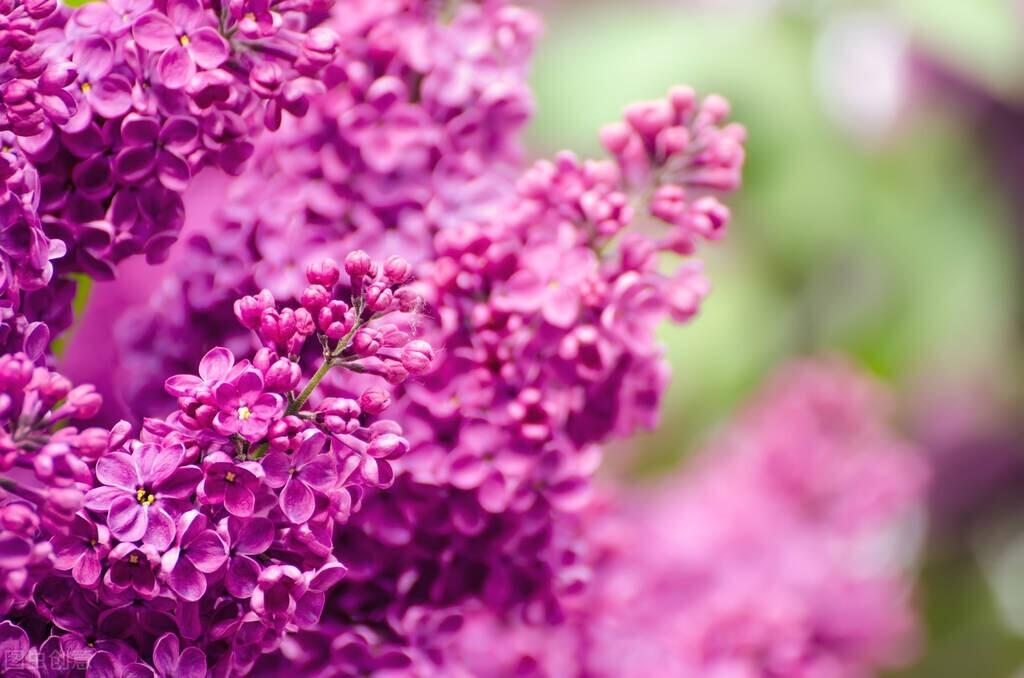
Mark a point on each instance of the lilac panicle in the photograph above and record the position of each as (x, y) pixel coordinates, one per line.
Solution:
(541, 363)
(205, 540)
(787, 579)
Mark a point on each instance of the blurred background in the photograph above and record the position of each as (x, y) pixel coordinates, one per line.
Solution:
(882, 218)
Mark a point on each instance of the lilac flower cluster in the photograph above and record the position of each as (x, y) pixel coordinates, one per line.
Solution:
(112, 108)
(212, 528)
(545, 293)
(33, 99)
(419, 130)
(786, 579)
(328, 495)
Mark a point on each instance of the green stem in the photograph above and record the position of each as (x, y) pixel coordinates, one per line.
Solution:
(310, 387)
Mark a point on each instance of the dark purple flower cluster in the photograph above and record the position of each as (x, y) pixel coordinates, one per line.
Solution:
(33, 99)
(214, 527)
(114, 108)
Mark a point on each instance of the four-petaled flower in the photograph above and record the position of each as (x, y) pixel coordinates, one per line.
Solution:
(81, 549)
(186, 39)
(198, 551)
(245, 538)
(142, 491)
(300, 474)
(245, 408)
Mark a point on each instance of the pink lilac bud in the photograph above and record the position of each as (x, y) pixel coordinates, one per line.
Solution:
(408, 300)
(314, 298)
(417, 356)
(358, 264)
(367, 341)
(340, 415)
(374, 400)
(387, 446)
(379, 297)
(395, 373)
(249, 309)
(277, 327)
(397, 269)
(324, 272)
(304, 324)
(84, 402)
(283, 376)
(669, 203)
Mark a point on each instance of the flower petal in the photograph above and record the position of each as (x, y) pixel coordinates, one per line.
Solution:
(117, 469)
(160, 531)
(208, 48)
(156, 463)
(127, 519)
(176, 67)
(297, 501)
(218, 361)
(155, 32)
(207, 552)
(186, 580)
(243, 573)
(165, 654)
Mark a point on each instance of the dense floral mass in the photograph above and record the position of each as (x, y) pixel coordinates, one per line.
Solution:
(382, 465)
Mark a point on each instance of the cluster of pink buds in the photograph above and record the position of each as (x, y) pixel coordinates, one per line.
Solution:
(683, 151)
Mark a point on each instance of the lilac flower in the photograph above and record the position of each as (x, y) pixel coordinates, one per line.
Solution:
(555, 291)
(231, 484)
(217, 365)
(198, 552)
(136, 567)
(171, 662)
(244, 538)
(100, 90)
(140, 492)
(81, 550)
(301, 474)
(244, 407)
(186, 39)
(154, 148)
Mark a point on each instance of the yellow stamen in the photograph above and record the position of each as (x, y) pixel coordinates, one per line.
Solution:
(244, 413)
(86, 86)
(230, 476)
(145, 498)
(184, 41)
(134, 559)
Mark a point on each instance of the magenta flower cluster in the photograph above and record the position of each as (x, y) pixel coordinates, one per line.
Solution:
(109, 110)
(385, 467)
(215, 522)
(772, 557)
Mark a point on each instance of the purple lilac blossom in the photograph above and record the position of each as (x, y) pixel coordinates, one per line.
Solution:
(196, 545)
(541, 364)
(786, 579)
(114, 108)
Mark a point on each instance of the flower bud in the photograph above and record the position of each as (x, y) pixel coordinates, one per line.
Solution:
(397, 269)
(387, 446)
(374, 400)
(358, 264)
(417, 356)
(324, 272)
(366, 341)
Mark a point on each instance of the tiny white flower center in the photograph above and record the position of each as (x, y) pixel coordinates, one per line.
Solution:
(244, 413)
